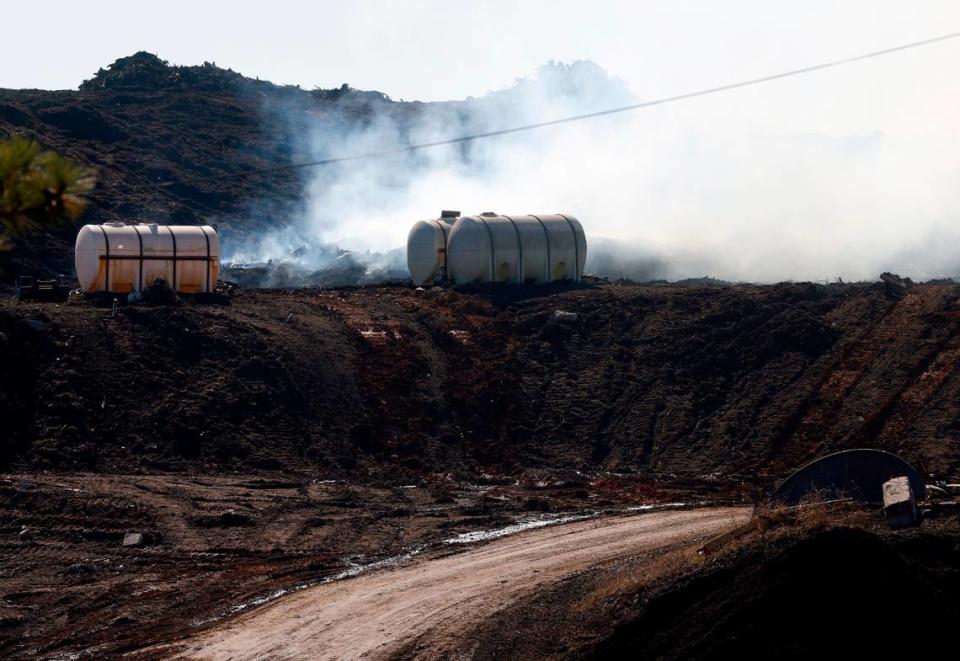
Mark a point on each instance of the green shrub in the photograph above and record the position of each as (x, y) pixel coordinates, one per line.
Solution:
(38, 188)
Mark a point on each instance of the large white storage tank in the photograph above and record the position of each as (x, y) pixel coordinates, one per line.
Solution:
(491, 247)
(427, 247)
(119, 258)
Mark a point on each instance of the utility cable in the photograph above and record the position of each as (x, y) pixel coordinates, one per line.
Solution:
(565, 120)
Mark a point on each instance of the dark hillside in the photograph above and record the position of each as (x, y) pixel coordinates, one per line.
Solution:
(143, 122)
(709, 383)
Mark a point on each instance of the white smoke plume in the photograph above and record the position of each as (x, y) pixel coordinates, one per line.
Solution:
(660, 193)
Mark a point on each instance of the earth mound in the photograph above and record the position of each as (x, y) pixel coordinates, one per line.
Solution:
(733, 386)
(842, 592)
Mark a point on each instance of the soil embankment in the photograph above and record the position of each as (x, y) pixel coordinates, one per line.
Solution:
(727, 384)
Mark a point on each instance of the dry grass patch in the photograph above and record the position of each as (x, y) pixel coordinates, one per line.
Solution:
(644, 571)
(769, 525)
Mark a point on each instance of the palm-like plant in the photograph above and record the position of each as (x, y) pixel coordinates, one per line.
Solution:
(16, 158)
(62, 182)
(38, 187)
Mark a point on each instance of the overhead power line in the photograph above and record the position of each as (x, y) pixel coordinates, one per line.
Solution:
(565, 120)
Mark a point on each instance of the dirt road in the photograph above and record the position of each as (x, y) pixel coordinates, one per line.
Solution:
(434, 601)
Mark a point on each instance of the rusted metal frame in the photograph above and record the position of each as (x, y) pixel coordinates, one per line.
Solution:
(106, 240)
(158, 258)
(140, 275)
(173, 238)
(205, 236)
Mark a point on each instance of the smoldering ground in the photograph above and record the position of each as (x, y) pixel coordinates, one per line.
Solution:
(683, 191)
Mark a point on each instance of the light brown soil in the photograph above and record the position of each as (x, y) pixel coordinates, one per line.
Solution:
(434, 601)
(69, 588)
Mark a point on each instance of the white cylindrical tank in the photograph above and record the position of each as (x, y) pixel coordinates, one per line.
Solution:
(427, 249)
(494, 248)
(119, 258)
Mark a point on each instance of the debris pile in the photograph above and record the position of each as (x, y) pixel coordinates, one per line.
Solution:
(159, 293)
(319, 266)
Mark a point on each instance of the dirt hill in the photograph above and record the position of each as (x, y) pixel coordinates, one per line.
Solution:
(142, 122)
(708, 383)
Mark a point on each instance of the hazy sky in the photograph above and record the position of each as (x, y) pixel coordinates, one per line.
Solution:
(448, 49)
(841, 172)
(442, 49)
